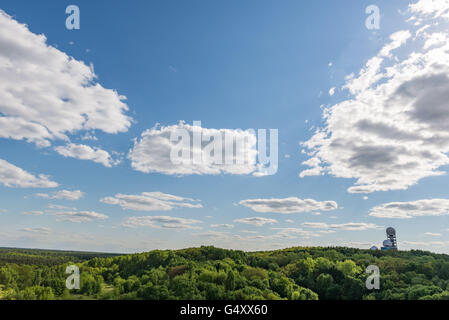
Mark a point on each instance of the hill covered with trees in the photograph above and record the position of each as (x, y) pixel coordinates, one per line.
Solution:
(298, 273)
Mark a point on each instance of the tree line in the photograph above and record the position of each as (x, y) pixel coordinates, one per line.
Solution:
(298, 273)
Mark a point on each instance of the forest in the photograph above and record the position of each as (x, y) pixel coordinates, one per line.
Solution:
(209, 273)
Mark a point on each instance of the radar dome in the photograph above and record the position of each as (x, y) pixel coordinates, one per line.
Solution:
(391, 231)
(387, 243)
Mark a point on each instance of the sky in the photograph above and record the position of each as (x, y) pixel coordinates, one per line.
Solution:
(87, 115)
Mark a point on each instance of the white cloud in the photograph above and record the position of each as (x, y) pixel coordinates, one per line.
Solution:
(292, 233)
(59, 207)
(288, 205)
(212, 235)
(36, 231)
(83, 152)
(249, 231)
(432, 234)
(332, 91)
(88, 136)
(350, 226)
(223, 225)
(152, 152)
(151, 201)
(63, 194)
(161, 222)
(408, 210)
(256, 221)
(432, 8)
(281, 234)
(316, 225)
(79, 216)
(12, 176)
(392, 131)
(33, 213)
(425, 243)
(46, 95)
(358, 244)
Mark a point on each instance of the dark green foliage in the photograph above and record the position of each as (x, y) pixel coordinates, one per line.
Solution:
(212, 273)
(46, 257)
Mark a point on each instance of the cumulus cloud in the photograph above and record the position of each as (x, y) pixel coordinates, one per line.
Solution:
(46, 95)
(223, 225)
(408, 210)
(79, 216)
(392, 131)
(432, 234)
(425, 243)
(33, 213)
(212, 235)
(83, 152)
(288, 205)
(161, 222)
(292, 233)
(88, 136)
(152, 152)
(15, 177)
(36, 231)
(256, 221)
(430, 8)
(350, 226)
(59, 207)
(63, 194)
(281, 234)
(151, 201)
(316, 225)
(358, 244)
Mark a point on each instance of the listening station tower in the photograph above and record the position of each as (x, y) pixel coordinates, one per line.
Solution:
(390, 243)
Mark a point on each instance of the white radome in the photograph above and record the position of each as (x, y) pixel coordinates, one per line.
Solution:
(387, 243)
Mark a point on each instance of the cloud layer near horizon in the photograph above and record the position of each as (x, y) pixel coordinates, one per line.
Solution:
(350, 226)
(161, 222)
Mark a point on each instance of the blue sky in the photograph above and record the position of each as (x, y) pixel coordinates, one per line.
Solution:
(231, 65)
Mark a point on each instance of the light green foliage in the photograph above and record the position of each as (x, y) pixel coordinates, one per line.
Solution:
(348, 267)
(212, 273)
